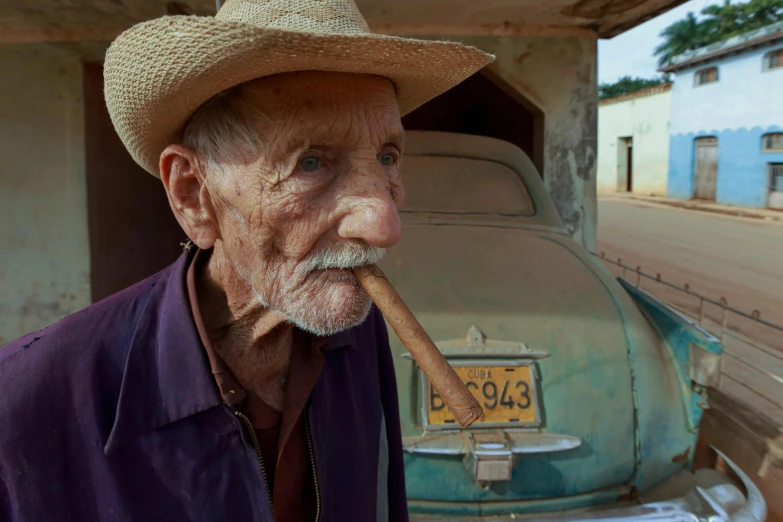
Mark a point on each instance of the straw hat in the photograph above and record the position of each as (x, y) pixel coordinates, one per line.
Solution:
(158, 73)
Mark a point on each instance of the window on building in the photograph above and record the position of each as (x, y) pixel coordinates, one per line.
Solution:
(705, 76)
(773, 60)
(772, 142)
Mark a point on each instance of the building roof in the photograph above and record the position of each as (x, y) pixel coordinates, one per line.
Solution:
(768, 35)
(649, 91)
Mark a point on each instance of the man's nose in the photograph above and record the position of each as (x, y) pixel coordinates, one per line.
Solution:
(372, 217)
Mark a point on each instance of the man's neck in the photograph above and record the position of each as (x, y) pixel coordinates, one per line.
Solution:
(254, 341)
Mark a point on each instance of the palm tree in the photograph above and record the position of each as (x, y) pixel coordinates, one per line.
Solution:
(760, 13)
(683, 35)
(718, 23)
(724, 21)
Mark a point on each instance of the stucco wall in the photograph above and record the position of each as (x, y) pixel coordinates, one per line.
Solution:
(646, 120)
(558, 75)
(738, 109)
(44, 266)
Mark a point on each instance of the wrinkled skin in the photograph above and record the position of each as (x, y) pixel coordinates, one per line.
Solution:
(327, 176)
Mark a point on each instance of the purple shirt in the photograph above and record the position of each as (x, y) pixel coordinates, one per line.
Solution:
(113, 414)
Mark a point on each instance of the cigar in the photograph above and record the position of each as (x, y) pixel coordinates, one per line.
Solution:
(444, 379)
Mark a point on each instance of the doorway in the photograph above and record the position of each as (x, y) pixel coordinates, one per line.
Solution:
(485, 105)
(625, 164)
(775, 199)
(706, 168)
(133, 233)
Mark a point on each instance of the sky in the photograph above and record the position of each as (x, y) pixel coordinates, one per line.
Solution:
(631, 53)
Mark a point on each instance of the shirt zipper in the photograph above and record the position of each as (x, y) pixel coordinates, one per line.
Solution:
(257, 447)
(312, 463)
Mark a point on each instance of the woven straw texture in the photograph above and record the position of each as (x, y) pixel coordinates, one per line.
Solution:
(158, 73)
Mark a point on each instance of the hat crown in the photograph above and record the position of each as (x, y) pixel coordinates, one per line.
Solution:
(312, 16)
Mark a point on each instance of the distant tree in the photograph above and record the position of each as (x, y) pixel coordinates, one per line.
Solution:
(627, 85)
(722, 20)
(684, 35)
(718, 22)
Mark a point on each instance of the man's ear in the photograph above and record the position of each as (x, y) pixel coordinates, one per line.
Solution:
(183, 178)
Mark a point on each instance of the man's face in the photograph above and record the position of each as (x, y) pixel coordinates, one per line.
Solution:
(324, 192)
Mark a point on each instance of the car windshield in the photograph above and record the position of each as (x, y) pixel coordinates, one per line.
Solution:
(463, 186)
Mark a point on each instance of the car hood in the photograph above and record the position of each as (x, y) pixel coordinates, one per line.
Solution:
(526, 287)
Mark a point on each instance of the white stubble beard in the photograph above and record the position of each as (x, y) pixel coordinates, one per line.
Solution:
(306, 312)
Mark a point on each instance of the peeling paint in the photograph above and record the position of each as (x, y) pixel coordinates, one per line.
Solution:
(682, 457)
(521, 58)
(571, 149)
(558, 75)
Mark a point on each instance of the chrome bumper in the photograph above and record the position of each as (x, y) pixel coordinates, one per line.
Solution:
(717, 503)
(723, 502)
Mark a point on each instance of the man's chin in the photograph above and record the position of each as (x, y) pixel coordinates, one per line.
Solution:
(326, 324)
(347, 307)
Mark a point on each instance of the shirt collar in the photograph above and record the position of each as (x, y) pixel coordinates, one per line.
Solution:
(167, 375)
(345, 339)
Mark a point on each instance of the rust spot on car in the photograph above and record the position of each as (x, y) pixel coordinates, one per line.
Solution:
(521, 58)
(632, 495)
(682, 457)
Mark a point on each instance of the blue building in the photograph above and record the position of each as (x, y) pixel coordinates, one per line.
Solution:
(726, 128)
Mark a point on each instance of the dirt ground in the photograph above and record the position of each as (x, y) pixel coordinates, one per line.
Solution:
(717, 255)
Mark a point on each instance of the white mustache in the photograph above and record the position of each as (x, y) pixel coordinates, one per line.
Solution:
(346, 256)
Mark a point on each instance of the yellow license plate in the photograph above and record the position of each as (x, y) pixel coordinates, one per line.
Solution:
(506, 393)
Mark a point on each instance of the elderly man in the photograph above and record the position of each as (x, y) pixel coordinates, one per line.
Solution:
(251, 379)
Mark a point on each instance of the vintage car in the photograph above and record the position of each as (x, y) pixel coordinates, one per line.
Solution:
(592, 389)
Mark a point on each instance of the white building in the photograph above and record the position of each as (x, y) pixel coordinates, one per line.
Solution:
(633, 142)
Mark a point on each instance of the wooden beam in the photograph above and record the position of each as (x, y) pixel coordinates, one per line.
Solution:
(59, 35)
(107, 34)
(497, 29)
(611, 29)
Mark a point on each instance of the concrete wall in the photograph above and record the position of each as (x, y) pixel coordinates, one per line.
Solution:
(44, 265)
(558, 75)
(744, 104)
(645, 120)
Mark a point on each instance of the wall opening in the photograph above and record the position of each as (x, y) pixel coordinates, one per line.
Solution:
(133, 233)
(705, 76)
(775, 199)
(625, 164)
(485, 105)
(772, 142)
(773, 60)
(706, 168)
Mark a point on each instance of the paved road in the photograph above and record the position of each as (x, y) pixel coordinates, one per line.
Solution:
(738, 258)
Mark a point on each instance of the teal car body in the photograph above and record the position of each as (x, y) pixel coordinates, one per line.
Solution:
(618, 377)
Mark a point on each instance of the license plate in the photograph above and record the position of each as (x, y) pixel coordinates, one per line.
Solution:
(507, 394)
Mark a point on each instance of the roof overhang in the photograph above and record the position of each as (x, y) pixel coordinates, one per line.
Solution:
(764, 37)
(103, 20)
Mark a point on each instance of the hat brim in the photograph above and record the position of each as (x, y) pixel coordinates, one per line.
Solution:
(158, 73)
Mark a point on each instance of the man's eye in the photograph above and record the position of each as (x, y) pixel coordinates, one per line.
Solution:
(309, 164)
(387, 160)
